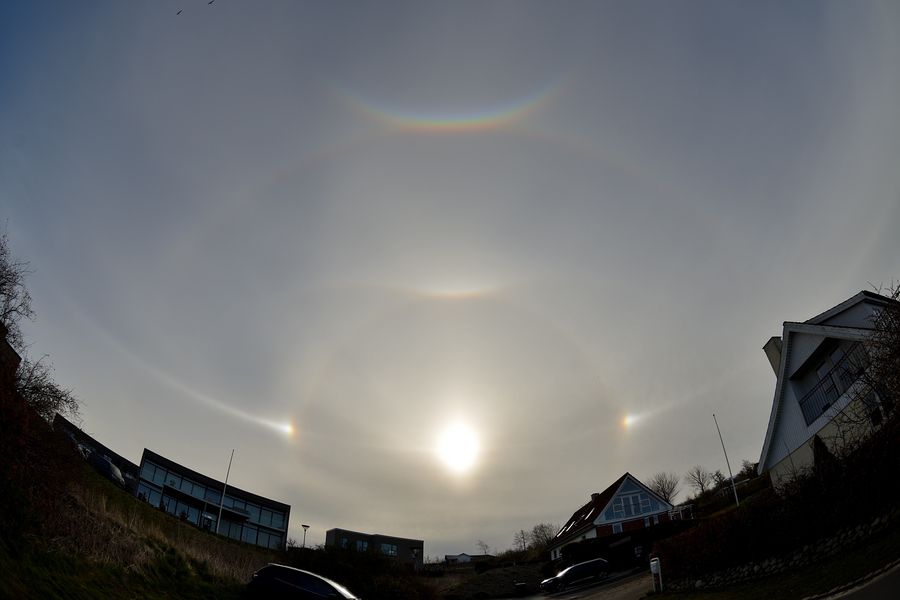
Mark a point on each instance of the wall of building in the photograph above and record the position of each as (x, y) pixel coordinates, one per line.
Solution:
(841, 427)
(792, 430)
(405, 550)
(196, 498)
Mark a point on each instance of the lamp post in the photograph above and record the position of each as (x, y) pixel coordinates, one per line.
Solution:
(305, 527)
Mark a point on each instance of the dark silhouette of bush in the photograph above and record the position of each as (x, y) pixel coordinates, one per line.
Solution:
(837, 494)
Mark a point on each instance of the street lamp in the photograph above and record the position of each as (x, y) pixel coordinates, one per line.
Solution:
(305, 527)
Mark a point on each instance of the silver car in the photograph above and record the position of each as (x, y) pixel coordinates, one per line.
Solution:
(281, 581)
(583, 572)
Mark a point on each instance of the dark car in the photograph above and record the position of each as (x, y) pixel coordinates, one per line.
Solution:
(104, 466)
(597, 568)
(280, 581)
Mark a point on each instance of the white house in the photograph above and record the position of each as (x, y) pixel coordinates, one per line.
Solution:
(626, 505)
(463, 558)
(821, 399)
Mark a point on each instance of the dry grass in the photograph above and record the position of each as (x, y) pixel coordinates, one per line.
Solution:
(106, 525)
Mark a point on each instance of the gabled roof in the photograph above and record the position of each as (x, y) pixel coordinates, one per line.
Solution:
(583, 519)
(849, 303)
(817, 325)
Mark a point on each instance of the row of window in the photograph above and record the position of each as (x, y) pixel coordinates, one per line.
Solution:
(256, 513)
(631, 505)
(363, 546)
(245, 532)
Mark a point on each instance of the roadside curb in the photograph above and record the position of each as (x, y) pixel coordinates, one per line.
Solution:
(843, 590)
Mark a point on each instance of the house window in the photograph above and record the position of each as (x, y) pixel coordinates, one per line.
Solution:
(833, 377)
(631, 505)
(389, 549)
(362, 545)
(656, 519)
(617, 528)
(645, 503)
(345, 543)
(646, 521)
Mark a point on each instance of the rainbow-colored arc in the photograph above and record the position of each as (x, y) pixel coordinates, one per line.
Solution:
(462, 122)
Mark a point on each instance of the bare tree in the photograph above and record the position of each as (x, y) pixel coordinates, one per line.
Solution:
(699, 478)
(541, 535)
(35, 384)
(33, 379)
(665, 485)
(748, 469)
(520, 540)
(883, 347)
(719, 479)
(483, 546)
(15, 301)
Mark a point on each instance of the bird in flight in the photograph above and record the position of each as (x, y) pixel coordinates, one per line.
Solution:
(178, 13)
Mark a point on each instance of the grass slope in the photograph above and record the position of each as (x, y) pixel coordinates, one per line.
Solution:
(104, 543)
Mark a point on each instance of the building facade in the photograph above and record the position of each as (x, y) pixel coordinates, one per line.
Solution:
(822, 398)
(405, 550)
(196, 498)
(626, 505)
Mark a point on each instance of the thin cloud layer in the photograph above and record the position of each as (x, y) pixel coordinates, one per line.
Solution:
(371, 222)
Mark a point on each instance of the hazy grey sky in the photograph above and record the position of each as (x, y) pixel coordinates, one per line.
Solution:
(373, 220)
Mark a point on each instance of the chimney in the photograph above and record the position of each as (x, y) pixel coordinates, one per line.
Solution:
(595, 496)
(773, 352)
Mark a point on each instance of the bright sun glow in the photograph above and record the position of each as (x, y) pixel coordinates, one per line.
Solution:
(457, 447)
(287, 428)
(628, 421)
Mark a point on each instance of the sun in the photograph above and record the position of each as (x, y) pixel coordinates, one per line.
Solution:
(457, 448)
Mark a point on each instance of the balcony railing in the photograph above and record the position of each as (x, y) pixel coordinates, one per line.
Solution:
(835, 383)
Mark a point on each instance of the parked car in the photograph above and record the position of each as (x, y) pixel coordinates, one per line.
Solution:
(597, 568)
(104, 466)
(280, 581)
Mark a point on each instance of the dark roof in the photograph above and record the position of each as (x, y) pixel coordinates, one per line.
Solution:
(583, 518)
(213, 483)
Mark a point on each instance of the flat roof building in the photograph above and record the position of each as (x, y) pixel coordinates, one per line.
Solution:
(404, 550)
(196, 498)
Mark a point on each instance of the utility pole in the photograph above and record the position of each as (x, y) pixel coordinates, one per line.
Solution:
(730, 474)
(222, 502)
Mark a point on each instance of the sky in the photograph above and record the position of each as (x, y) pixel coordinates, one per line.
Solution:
(369, 222)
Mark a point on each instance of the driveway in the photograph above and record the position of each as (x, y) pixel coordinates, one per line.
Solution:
(630, 588)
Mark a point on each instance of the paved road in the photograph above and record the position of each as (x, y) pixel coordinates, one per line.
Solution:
(883, 587)
(630, 588)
